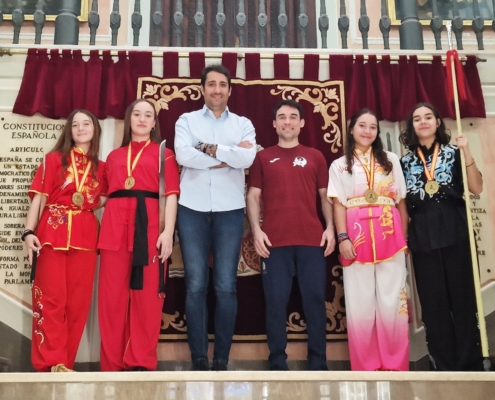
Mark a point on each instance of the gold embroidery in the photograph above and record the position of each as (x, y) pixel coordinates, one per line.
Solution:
(38, 314)
(168, 93)
(59, 215)
(168, 320)
(295, 323)
(336, 309)
(386, 220)
(403, 299)
(325, 100)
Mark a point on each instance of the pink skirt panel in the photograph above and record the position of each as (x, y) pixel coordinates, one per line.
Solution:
(376, 233)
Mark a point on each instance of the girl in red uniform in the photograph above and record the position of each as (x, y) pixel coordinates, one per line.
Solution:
(65, 190)
(129, 304)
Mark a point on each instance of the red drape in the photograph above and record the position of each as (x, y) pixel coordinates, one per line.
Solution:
(255, 99)
(55, 84)
(392, 89)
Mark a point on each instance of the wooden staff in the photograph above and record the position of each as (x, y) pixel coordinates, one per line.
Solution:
(474, 256)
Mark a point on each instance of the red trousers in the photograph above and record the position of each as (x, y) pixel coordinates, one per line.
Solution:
(61, 299)
(129, 319)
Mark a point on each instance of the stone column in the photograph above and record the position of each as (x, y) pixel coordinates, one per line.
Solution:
(67, 24)
(410, 31)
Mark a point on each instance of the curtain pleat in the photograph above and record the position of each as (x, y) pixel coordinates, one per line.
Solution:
(54, 84)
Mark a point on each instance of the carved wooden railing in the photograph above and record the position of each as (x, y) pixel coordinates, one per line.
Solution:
(246, 23)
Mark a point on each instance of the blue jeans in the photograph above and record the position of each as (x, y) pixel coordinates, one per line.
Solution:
(277, 274)
(220, 232)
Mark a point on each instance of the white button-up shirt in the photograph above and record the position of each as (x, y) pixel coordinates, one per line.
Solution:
(218, 189)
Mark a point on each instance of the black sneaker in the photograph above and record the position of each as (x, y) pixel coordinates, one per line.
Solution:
(201, 364)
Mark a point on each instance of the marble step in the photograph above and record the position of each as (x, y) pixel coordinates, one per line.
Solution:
(249, 385)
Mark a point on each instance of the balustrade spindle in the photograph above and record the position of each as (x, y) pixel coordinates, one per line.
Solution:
(199, 20)
(282, 24)
(39, 18)
(115, 20)
(178, 18)
(303, 23)
(93, 22)
(385, 25)
(157, 21)
(343, 24)
(136, 22)
(457, 25)
(220, 21)
(17, 20)
(240, 20)
(364, 24)
(323, 24)
(262, 22)
(436, 25)
(478, 24)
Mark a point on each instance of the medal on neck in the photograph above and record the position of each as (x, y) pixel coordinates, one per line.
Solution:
(78, 197)
(431, 186)
(130, 181)
(370, 195)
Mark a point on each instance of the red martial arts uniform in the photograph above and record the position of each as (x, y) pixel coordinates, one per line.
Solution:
(66, 263)
(130, 319)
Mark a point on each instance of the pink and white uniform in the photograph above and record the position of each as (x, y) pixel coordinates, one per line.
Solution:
(375, 281)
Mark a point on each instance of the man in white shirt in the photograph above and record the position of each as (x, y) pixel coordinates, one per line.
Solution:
(214, 146)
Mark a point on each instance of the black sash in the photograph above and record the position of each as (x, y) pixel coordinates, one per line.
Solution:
(140, 248)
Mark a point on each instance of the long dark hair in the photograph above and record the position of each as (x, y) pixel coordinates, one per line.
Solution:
(376, 146)
(408, 136)
(65, 142)
(155, 135)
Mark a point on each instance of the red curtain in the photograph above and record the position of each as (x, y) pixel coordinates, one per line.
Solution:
(392, 89)
(255, 99)
(54, 84)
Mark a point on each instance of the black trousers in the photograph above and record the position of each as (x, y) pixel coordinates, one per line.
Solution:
(444, 278)
(277, 275)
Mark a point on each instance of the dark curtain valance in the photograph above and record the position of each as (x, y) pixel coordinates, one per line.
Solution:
(392, 89)
(54, 83)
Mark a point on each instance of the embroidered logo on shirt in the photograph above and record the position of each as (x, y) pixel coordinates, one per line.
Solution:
(275, 159)
(299, 161)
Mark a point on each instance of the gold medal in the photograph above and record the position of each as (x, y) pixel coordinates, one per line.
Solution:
(78, 199)
(432, 187)
(129, 183)
(371, 196)
(77, 196)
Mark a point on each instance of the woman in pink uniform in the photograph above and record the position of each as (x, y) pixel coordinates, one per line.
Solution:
(368, 191)
(130, 289)
(65, 191)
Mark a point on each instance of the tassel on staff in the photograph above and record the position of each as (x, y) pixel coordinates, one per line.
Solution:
(456, 89)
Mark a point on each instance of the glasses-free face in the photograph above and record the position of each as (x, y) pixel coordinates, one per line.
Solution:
(425, 124)
(288, 123)
(142, 120)
(82, 129)
(216, 91)
(365, 131)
